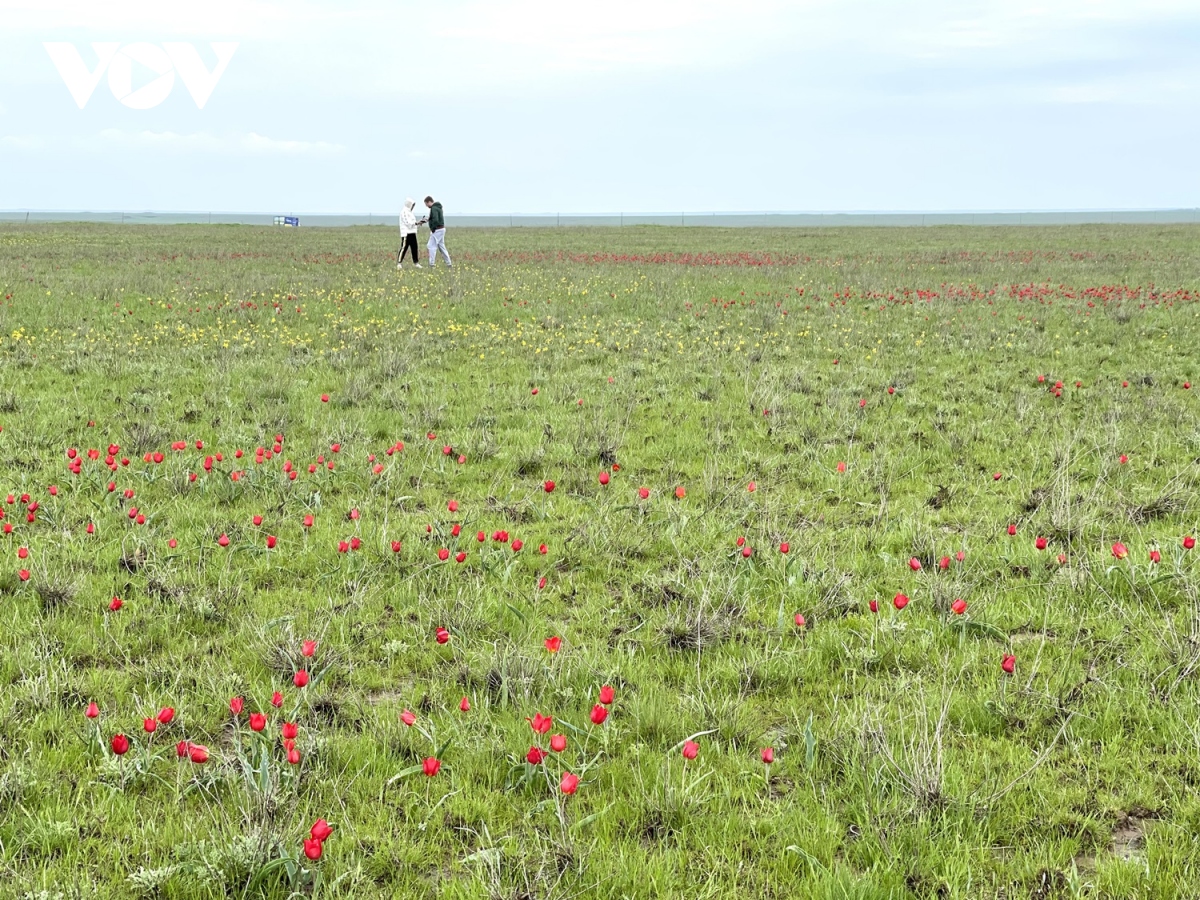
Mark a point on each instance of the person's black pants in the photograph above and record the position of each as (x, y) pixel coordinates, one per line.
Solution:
(410, 244)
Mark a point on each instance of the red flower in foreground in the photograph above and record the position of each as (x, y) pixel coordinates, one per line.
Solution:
(535, 756)
(1189, 542)
(768, 755)
(120, 744)
(321, 830)
(1040, 543)
(300, 679)
(606, 694)
(442, 636)
(599, 714)
(914, 564)
(569, 783)
(690, 749)
(558, 742)
(408, 718)
(539, 723)
(312, 848)
(235, 706)
(680, 493)
(553, 644)
(166, 715)
(308, 648)
(900, 601)
(92, 710)
(1008, 664)
(1155, 557)
(604, 478)
(959, 606)
(258, 721)
(431, 766)
(1119, 550)
(464, 704)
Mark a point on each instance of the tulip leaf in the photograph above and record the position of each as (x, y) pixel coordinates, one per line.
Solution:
(405, 773)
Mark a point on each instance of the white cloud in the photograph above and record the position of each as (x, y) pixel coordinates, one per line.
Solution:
(249, 143)
(23, 141)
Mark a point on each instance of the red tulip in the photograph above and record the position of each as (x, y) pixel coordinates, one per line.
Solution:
(914, 564)
(92, 710)
(517, 544)
(1122, 459)
(271, 541)
(1012, 529)
(431, 766)
(320, 831)
(644, 493)
(543, 549)
(258, 721)
(396, 545)
(539, 723)
(799, 620)
(604, 478)
(534, 392)
(464, 704)
(569, 783)
(541, 582)
(1119, 550)
(784, 548)
(23, 574)
(558, 742)
(997, 476)
(257, 520)
(1189, 542)
(680, 493)
(442, 636)
(690, 749)
(312, 847)
(900, 601)
(548, 487)
(235, 706)
(300, 679)
(873, 606)
(460, 557)
(841, 467)
(1155, 557)
(752, 487)
(277, 700)
(959, 606)
(149, 725)
(408, 718)
(289, 731)
(535, 756)
(768, 755)
(1040, 543)
(293, 757)
(114, 604)
(22, 553)
(960, 556)
(553, 644)
(944, 563)
(324, 398)
(607, 695)
(599, 714)
(120, 744)
(747, 552)
(443, 554)
(166, 715)
(1008, 664)
(308, 521)
(308, 648)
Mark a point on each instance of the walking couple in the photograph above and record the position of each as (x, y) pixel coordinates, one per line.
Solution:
(409, 223)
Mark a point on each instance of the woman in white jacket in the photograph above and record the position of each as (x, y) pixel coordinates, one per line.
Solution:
(408, 234)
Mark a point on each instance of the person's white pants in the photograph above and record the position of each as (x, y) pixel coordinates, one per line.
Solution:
(437, 241)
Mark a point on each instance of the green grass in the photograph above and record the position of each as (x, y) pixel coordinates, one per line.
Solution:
(907, 763)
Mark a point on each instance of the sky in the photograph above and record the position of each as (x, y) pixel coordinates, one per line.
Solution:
(573, 106)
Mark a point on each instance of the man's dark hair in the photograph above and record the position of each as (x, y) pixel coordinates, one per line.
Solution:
(428, 199)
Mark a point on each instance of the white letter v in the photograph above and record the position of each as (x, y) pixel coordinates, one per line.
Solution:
(198, 80)
(80, 82)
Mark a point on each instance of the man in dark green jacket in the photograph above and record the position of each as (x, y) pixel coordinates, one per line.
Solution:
(437, 233)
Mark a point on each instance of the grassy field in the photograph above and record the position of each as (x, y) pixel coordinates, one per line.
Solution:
(878, 403)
